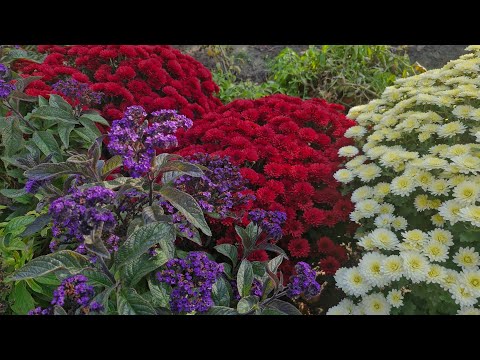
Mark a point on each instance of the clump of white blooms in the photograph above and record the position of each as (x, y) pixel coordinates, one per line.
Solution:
(415, 178)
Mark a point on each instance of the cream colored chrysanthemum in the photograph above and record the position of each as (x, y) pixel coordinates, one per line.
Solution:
(362, 193)
(399, 223)
(462, 111)
(435, 251)
(370, 267)
(355, 132)
(439, 149)
(435, 274)
(467, 258)
(437, 220)
(466, 192)
(431, 163)
(384, 221)
(367, 208)
(344, 176)
(366, 242)
(344, 307)
(456, 179)
(384, 239)
(395, 298)
(355, 162)
(469, 310)
(458, 150)
(368, 172)
(375, 304)
(424, 179)
(392, 267)
(402, 185)
(415, 266)
(467, 164)
(421, 203)
(450, 211)
(415, 237)
(462, 295)
(391, 159)
(441, 236)
(451, 279)
(348, 151)
(471, 278)
(471, 214)
(386, 208)
(439, 187)
(354, 283)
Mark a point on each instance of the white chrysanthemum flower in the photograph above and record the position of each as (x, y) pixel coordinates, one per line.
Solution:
(437, 220)
(451, 279)
(435, 274)
(384, 221)
(395, 298)
(355, 216)
(456, 179)
(384, 239)
(431, 163)
(355, 132)
(467, 258)
(469, 310)
(471, 214)
(462, 111)
(471, 278)
(344, 176)
(462, 295)
(354, 283)
(392, 267)
(362, 193)
(440, 149)
(435, 251)
(366, 242)
(421, 203)
(439, 187)
(399, 223)
(368, 172)
(375, 304)
(391, 158)
(441, 236)
(415, 237)
(415, 266)
(381, 189)
(466, 192)
(450, 211)
(344, 307)
(467, 164)
(386, 208)
(367, 208)
(348, 151)
(355, 162)
(370, 267)
(424, 179)
(458, 150)
(402, 185)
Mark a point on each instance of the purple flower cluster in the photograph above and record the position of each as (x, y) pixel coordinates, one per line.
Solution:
(256, 289)
(78, 91)
(77, 213)
(219, 190)
(303, 282)
(32, 186)
(135, 138)
(269, 221)
(73, 294)
(191, 279)
(5, 87)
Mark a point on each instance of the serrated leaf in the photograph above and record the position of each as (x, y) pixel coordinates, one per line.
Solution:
(247, 242)
(102, 298)
(221, 310)
(90, 128)
(42, 101)
(275, 263)
(181, 167)
(47, 170)
(247, 304)
(95, 118)
(221, 292)
(258, 268)
(18, 95)
(47, 144)
(64, 131)
(229, 251)
(37, 225)
(18, 224)
(284, 307)
(22, 301)
(64, 259)
(245, 277)
(274, 248)
(187, 206)
(129, 302)
(97, 278)
(135, 270)
(111, 164)
(271, 311)
(54, 114)
(58, 102)
(12, 137)
(13, 193)
(115, 183)
(160, 293)
(142, 239)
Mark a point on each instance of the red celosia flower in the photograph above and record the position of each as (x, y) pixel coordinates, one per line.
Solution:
(339, 253)
(258, 255)
(325, 245)
(315, 216)
(329, 265)
(299, 247)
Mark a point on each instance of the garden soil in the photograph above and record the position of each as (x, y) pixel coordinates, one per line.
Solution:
(253, 59)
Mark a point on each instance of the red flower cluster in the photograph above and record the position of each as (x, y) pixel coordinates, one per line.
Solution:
(287, 149)
(155, 77)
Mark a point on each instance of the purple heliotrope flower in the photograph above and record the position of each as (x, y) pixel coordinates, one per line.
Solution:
(76, 214)
(135, 138)
(73, 294)
(269, 221)
(80, 92)
(191, 279)
(303, 282)
(5, 89)
(256, 289)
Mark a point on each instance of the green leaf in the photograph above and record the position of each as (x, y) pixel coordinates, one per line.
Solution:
(97, 278)
(58, 102)
(95, 117)
(54, 114)
(64, 259)
(142, 239)
(129, 302)
(102, 298)
(90, 128)
(37, 225)
(13, 193)
(47, 170)
(245, 277)
(64, 131)
(229, 251)
(135, 270)
(115, 183)
(12, 137)
(221, 310)
(58, 310)
(246, 304)
(188, 206)
(160, 293)
(275, 263)
(162, 159)
(246, 239)
(111, 164)
(221, 292)
(42, 101)
(227, 270)
(271, 311)
(22, 301)
(47, 144)
(252, 231)
(258, 268)
(181, 167)
(284, 307)
(18, 224)
(274, 248)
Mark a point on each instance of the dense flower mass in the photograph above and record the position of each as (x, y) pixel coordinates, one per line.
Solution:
(287, 150)
(269, 221)
(136, 138)
(416, 193)
(155, 77)
(78, 92)
(303, 282)
(76, 214)
(5, 87)
(74, 295)
(191, 279)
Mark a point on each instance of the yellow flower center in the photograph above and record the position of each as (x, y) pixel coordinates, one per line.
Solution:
(357, 279)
